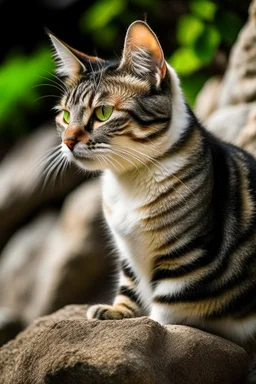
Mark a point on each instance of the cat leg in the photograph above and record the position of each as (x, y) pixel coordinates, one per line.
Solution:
(126, 303)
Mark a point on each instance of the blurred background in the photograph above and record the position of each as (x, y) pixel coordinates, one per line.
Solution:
(196, 36)
(53, 245)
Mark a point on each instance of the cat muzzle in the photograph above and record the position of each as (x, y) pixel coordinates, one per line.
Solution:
(75, 134)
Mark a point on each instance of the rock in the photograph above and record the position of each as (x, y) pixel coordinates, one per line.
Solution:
(233, 118)
(247, 137)
(207, 100)
(21, 193)
(10, 325)
(227, 123)
(59, 260)
(239, 82)
(66, 348)
(21, 262)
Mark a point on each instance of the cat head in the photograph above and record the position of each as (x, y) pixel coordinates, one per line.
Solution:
(121, 115)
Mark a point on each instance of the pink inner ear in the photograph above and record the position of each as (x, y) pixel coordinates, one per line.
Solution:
(140, 36)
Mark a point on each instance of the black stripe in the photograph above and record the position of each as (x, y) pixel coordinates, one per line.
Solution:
(142, 121)
(76, 95)
(118, 123)
(129, 293)
(205, 243)
(151, 136)
(127, 307)
(193, 208)
(127, 271)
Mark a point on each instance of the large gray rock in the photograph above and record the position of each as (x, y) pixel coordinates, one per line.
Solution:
(247, 136)
(227, 109)
(22, 191)
(21, 264)
(65, 348)
(227, 123)
(239, 83)
(58, 260)
(10, 325)
(207, 99)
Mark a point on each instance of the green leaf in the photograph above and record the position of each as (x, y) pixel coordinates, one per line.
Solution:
(204, 9)
(18, 76)
(189, 29)
(206, 44)
(101, 13)
(185, 61)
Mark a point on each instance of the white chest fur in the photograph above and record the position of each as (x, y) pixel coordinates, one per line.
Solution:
(121, 204)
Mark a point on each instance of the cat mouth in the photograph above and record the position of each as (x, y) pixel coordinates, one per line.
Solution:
(76, 153)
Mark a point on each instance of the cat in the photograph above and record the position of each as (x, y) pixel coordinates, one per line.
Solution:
(179, 202)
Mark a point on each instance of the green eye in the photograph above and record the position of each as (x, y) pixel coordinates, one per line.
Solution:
(66, 116)
(103, 112)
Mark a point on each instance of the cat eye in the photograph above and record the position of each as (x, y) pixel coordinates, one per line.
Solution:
(66, 116)
(103, 112)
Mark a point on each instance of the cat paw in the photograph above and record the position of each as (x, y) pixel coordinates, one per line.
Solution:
(106, 312)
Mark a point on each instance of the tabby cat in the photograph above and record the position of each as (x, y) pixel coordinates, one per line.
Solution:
(179, 202)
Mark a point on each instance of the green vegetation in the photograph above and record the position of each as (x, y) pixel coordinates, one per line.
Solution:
(199, 34)
(19, 75)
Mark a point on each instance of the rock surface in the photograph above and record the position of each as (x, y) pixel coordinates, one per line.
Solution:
(21, 193)
(239, 83)
(227, 107)
(10, 325)
(58, 260)
(65, 348)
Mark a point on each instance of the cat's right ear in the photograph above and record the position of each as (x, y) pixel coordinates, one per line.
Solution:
(69, 61)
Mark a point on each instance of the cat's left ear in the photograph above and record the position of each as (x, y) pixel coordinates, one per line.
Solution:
(71, 62)
(142, 52)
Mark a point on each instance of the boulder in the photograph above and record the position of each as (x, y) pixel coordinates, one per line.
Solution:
(239, 82)
(23, 192)
(65, 348)
(207, 99)
(10, 325)
(247, 136)
(59, 259)
(227, 107)
(228, 123)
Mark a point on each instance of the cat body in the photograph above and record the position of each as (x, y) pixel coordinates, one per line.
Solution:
(195, 298)
(180, 203)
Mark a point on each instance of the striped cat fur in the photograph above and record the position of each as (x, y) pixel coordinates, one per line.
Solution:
(180, 203)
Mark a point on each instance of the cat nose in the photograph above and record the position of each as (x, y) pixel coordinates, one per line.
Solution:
(70, 142)
(73, 134)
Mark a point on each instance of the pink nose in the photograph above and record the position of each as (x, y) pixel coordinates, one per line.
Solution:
(70, 142)
(74, 134)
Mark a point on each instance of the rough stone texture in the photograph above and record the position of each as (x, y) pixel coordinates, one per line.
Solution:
(21, 263)
(207, 99)
(10, 325)
(247, 137)
(66, 348)
(21, 192)
(229, 122)
(59, 260)
(239, 83)
(232, 102)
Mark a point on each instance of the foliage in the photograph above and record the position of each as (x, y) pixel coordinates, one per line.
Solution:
(199, 34)
(204, 28)
(103, 18)
(18, 76)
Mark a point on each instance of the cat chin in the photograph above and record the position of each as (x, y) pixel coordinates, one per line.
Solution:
(88, 164)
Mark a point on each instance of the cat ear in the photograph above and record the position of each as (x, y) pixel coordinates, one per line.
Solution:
(71, 62)
(142, 52)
